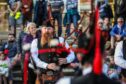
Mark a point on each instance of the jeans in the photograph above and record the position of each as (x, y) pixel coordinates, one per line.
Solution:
(13, 21)
(71, 18)
(58, 16)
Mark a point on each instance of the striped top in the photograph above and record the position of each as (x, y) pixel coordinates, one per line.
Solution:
(56, 4)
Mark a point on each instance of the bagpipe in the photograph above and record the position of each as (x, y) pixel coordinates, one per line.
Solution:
(97, 47)
(58, 50)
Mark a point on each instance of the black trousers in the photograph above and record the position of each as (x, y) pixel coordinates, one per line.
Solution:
(31, 76)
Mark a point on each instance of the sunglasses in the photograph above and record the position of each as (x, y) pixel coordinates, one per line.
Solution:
(120, 21)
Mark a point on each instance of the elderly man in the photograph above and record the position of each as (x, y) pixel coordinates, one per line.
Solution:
(118, 31)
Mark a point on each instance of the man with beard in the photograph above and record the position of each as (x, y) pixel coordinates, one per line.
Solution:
(9, 49)
(48, 69)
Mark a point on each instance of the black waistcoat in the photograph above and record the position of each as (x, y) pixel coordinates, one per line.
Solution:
(46, 57)
(43, 56)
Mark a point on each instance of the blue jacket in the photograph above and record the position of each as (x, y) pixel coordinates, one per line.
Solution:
(22, 34)
(118, 31)
(12, 47)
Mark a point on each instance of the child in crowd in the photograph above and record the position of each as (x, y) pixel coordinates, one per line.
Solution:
(4, 69)
(110, 69)
(113, 70)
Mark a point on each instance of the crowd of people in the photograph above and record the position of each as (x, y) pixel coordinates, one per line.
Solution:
(43, 12)
(44, 53)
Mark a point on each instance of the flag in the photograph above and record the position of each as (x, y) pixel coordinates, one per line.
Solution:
(27, 55)
(97, 63)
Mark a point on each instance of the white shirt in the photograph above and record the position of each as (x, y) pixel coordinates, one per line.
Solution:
(64, 80)
(42, 64)
(118, 56)
(4, 67)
